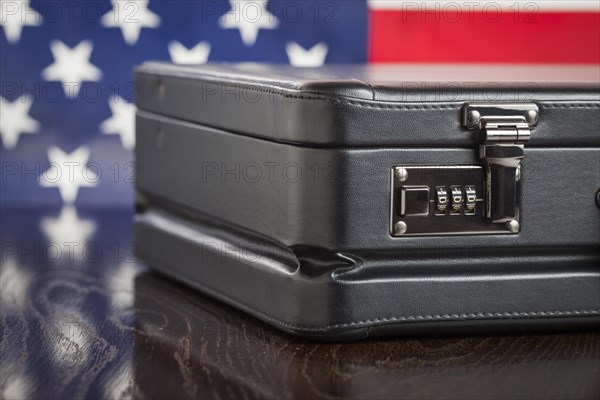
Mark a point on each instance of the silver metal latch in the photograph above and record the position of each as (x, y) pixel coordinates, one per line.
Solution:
(505, 129)
(430, 200)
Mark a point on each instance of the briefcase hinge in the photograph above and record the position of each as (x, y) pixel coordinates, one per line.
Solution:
(504, 129)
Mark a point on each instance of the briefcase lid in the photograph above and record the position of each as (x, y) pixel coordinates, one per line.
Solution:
(371, 105)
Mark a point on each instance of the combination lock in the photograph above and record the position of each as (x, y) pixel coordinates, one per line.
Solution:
(440, 200)
(471, 199)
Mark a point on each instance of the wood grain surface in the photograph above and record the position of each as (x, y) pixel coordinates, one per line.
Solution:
(106, 327)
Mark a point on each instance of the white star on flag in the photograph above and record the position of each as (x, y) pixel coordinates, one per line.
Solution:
(122, 122)
(314, 57)
(130, 16)
(14, 15)
(69, 231)
(68, 172)
(249, 16)
(71, 66)
(182, 55)
(15, 120)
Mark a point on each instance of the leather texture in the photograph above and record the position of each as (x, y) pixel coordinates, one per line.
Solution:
(348, 106)
(338, 199)
(344, 297)
(279, 203)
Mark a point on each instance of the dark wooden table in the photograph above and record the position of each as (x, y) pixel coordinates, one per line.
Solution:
(94, 323)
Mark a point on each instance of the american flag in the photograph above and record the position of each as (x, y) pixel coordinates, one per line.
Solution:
(66, 107)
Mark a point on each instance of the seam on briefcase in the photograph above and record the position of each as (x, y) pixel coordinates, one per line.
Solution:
(368, 322)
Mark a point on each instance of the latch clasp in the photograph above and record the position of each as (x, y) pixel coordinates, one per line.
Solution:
(505, 129)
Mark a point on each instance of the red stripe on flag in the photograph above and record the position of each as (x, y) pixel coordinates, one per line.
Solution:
(432, 36)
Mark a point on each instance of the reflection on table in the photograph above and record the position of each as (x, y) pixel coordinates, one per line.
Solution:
(81, 318)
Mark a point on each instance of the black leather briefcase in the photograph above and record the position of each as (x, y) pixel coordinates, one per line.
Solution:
(355, 201)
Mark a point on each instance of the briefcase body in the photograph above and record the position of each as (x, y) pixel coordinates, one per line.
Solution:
(346, 202)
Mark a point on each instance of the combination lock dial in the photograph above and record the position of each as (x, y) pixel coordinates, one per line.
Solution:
(441, 200)
(468, 200)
